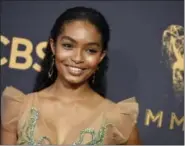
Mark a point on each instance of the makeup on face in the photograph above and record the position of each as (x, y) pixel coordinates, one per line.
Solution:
(78, 51)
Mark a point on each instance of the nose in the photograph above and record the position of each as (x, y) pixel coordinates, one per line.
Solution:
(77, 56)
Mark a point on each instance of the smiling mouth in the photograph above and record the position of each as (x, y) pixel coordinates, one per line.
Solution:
(75, 71)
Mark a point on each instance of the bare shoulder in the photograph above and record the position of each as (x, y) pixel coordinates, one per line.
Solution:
(44, 94)
(104, 100)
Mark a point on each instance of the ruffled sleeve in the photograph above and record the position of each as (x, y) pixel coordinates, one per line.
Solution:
(11, 106)
(129, 110)
(124, 118)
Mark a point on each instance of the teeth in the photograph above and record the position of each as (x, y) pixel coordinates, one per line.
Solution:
(75, 70)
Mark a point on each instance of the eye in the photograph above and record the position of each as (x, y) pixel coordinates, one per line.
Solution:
(67, 46)
(92, 51)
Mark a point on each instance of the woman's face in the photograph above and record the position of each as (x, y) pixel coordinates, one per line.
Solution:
(78, 51)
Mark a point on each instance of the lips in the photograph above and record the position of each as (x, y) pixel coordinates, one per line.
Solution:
(75, 71)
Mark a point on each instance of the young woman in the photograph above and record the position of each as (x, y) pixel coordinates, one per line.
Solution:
(68, 105)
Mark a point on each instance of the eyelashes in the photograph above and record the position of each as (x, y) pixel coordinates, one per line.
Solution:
(92, 51)
(69, 46)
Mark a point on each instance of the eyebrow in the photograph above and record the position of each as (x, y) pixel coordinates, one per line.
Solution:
(68, 38)
(74, 41)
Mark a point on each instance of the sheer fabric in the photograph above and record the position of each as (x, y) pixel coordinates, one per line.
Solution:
(39, 118)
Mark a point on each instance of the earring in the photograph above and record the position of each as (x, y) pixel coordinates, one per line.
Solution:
(50, 72)
(94, 76)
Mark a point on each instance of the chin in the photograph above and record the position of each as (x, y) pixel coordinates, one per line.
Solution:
(75, 81)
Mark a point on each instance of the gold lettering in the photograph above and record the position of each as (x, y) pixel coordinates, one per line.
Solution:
(5, 42)
(26, 54)
(40, 52)
(174, 120)
(158, 117)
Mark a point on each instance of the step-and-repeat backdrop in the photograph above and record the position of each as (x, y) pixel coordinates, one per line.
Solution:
(146, 56)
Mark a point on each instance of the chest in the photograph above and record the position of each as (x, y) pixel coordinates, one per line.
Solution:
(69, 126)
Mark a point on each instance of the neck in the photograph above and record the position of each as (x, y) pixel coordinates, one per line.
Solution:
(62, 89)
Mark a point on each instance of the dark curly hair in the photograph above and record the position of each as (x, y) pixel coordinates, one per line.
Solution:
(77, 13)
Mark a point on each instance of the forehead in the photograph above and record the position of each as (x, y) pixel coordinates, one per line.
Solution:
(81, 30)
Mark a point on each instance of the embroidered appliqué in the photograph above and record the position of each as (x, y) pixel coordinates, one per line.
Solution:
(97, 137)
(26, 135)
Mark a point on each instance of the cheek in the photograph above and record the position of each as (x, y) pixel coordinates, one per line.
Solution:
(61, 55)
(93, 61)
